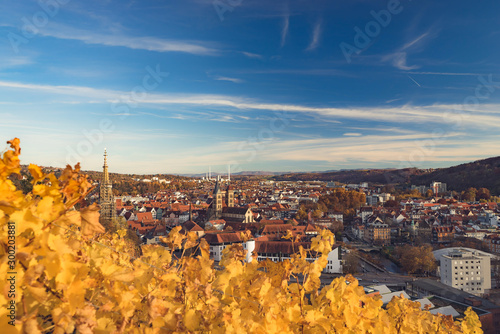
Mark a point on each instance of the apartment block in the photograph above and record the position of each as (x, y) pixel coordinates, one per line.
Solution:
(466, 270)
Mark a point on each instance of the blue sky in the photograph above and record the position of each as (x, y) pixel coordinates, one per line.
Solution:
(178, 86)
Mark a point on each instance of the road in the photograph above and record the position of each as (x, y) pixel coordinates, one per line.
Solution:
(371, 278)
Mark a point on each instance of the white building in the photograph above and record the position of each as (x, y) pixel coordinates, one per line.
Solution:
(219, 241)
(278, 251)
(438, 187)
(465, 269)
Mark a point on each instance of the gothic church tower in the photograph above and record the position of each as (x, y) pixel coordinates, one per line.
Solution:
(106, 198)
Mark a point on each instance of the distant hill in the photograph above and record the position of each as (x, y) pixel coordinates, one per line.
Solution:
(381, 176)
(482, 173)
(478, 174)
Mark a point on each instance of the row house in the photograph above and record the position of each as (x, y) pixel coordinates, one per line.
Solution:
(219, 241)
(175, 218)
(144, 217)
(243, 215)
(337, 215)
(365, 212)
(154, 235)
(443, 234)
(493, 243)
(329, 223)
(358, 231)
(191, 226)
(378, 233)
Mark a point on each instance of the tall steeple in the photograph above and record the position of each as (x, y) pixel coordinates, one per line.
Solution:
(105, 178)
(106, 200)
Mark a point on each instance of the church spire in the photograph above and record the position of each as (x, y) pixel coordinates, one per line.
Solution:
(105, 179)
(106, 198)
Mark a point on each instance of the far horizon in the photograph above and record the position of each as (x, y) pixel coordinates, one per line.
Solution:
(215, 171)
(176, 87)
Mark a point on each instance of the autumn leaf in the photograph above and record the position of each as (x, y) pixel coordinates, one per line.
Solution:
(90, 221)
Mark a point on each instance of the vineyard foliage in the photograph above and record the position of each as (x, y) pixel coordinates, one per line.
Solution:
(72, 276)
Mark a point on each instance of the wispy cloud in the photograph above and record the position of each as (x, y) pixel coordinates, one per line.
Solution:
(297, 71)
(399, 57)
(353, 152)
(446, 73)
(352, 134)
(316, 35)
(235, 80)
(284, 29)
(398, 60)
(138, 43)
(487, 116)
(393, 100)
(9, 62)
(252, 55)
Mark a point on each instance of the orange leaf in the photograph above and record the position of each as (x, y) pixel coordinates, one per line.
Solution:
(90, 221)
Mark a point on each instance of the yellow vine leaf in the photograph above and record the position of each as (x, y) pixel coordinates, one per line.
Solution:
(90, 221)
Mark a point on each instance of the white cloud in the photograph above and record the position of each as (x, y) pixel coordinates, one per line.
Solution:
(315, 37)
(352, 134)
(398, 60)
(138, 43)
(284, 29)
(440, 115)
(446, 73)
(235, 80)
(252, 55)
(9, 62)
(399, 57)
(355, 152)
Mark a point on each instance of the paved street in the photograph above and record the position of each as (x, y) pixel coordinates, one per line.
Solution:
(372, 278)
